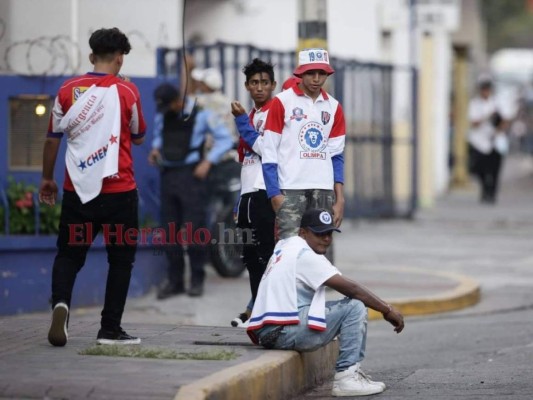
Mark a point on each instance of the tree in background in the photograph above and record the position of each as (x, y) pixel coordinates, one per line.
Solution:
(509, 23)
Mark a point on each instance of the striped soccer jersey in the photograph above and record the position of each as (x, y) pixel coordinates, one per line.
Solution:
(252, 172)
(131, 120)
(301, 137)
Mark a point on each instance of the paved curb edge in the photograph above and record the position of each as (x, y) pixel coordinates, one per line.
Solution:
(276, 374)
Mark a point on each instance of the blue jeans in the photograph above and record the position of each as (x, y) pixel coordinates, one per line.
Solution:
(346, 318)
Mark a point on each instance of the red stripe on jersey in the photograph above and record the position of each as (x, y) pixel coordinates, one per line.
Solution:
(276, 116)
(339, 125)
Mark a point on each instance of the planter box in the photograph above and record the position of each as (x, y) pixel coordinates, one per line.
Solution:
(26, 273)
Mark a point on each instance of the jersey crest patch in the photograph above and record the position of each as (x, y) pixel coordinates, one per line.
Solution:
(312, 141)
(325, 117)
(77, 92)
(298, 114)
(258, 126)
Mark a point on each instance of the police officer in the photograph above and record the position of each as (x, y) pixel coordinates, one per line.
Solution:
(180, 131)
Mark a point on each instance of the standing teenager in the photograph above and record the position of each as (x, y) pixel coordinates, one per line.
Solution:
(101, 116)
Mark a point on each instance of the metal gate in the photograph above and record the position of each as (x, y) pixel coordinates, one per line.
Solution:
(379, 105)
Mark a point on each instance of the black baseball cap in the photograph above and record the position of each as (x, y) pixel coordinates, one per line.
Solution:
(165, 94)
(318, 221)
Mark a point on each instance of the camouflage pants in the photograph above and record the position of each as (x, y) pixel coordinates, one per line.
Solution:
(295, 204)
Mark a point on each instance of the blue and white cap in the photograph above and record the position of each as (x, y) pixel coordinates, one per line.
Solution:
(318, 221)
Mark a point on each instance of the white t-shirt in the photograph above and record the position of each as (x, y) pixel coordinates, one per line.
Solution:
(293, 279)
(312, 270)
(482, 136)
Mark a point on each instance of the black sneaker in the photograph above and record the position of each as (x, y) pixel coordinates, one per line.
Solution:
(116, 337)
(58, 334)
(239, 321)
(169, 290)
(196, 291)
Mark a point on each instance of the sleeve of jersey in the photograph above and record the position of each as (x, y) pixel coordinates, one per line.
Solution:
(246, 130)
(338, 168)
(157, 141)
(55, 119)
(137, 123)
(223, 140)
(337, 135)
(271, 140)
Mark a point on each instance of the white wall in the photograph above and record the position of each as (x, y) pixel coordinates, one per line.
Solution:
(148, 24)
(269, 24)
(274, 25)
(353, 29)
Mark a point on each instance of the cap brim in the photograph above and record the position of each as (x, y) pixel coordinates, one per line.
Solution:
(309, 67)
(323, 229)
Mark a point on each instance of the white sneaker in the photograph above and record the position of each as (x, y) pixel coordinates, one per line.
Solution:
(354, 382)
(369, 378)
(241, 321)
(58, 335)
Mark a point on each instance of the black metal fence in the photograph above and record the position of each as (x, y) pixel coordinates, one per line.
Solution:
(379, 104)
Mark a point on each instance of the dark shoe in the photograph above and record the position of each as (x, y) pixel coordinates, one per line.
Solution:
(116, 337)
(196, 291)
(58, 335)
(169, 290)
(239, 322)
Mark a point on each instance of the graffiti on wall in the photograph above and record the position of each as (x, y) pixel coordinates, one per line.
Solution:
(49, 55)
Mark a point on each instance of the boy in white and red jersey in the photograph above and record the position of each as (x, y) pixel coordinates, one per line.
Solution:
(255, 214)
(101, 116)
(303, 155)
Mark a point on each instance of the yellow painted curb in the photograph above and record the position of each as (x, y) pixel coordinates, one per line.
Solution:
(276, 374)
(466, 294)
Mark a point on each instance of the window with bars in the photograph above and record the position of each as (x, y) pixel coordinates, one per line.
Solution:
(28, 124)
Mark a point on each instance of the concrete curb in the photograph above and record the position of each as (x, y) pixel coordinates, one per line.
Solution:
(281, 374)
(276, 374)
(466, 294)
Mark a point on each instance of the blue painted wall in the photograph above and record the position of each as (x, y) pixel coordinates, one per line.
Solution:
(26, 274)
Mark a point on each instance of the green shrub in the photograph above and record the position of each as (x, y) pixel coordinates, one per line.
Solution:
(21, 198)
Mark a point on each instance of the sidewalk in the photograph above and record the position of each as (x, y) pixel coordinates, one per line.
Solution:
(423, 266)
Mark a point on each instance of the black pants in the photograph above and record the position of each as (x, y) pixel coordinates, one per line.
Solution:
(113, 214)
(487, 169)
(257, 219)
(183, 205)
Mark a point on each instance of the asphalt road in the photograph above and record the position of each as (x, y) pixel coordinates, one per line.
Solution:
(476, 356)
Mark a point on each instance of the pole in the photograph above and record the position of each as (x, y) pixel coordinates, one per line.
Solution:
(414, 107)
(312, 24)
(460, 176)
